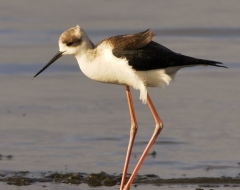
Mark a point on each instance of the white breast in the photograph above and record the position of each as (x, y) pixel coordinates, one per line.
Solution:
(109, 69)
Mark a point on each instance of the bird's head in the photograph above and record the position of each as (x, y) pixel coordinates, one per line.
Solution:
(73, 41)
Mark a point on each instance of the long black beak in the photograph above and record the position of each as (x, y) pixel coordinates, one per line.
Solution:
(57, 56)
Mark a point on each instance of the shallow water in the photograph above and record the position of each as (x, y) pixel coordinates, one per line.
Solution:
(62, 121)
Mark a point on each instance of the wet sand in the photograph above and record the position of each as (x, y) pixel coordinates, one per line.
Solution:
(104, 180)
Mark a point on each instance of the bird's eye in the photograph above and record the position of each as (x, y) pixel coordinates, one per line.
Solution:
(69, 43)
(74, 42)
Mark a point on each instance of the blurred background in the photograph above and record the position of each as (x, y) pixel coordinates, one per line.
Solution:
(62, 121)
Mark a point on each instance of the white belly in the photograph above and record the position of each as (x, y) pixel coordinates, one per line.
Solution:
(158, 77)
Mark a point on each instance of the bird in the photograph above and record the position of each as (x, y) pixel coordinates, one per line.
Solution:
(131, 60)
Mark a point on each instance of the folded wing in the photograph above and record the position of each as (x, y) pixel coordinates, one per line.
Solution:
(144, 54)
(155, 56)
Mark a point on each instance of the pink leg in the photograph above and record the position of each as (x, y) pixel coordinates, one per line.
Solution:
(133, 131)
(158, 128)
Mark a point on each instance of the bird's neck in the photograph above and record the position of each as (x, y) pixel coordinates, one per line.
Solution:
(86, 48)
(89, 44)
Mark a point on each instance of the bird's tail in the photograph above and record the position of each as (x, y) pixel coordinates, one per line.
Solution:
(194, 61)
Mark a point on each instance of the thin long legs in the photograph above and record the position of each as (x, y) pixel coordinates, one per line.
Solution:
(158, 128)
(133, 131)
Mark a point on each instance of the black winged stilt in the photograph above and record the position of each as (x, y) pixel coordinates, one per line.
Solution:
(130, 60)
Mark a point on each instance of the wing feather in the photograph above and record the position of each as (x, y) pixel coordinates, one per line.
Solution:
(127, 42)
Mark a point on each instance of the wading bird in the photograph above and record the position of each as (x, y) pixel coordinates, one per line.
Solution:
(130, 60)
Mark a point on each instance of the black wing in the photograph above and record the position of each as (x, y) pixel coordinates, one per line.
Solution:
(155, 56)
